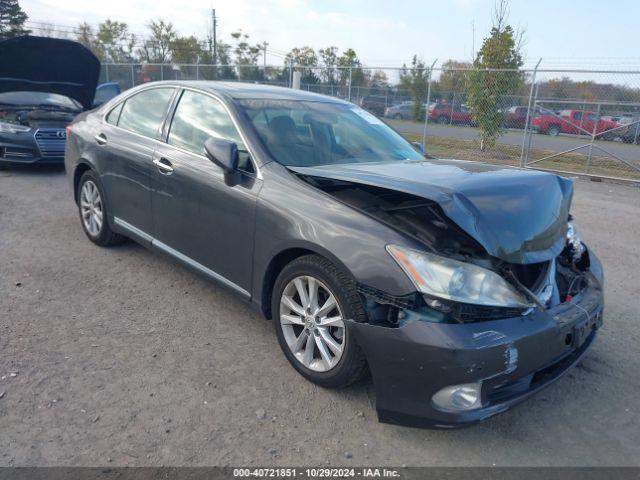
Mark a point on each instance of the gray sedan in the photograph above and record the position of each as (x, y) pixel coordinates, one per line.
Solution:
(462, 288)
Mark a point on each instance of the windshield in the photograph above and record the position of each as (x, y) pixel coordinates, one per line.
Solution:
(38, 99)
(307, 134)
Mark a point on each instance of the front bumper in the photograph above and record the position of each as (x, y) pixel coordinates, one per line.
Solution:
(409, 364)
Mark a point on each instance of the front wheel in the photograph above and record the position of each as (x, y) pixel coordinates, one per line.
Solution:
(311, 301)
(554, 131)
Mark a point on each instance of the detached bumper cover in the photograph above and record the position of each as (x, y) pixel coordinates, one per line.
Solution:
(514, 358)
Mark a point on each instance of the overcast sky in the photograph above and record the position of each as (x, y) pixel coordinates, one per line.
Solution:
(568, 33)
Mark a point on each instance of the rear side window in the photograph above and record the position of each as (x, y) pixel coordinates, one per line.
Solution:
(144, 112)
(114, 115)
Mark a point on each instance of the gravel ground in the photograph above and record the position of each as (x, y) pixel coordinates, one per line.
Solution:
(125, 358)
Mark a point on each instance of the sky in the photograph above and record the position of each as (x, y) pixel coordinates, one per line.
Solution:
(578, 34)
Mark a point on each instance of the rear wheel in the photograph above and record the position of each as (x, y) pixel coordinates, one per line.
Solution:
(311, 301)
(442, 120)
(93, 211)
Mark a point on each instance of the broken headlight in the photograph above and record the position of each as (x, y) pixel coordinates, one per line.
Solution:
(450, 279)
(574, 243)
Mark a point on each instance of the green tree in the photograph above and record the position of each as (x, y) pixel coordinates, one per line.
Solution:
(453, 79)
(12, 19)
(246, 56)
(186, 50)
(349, 58)
(487, 86)
(157, 49)
(306, 58)
(328, 59)
(415, 79)
(87, 37)
(115, 42)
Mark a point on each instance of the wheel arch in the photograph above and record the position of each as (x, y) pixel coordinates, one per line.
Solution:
(281, 260)
(81, 167)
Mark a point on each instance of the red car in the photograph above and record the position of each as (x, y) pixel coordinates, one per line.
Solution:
(443, 112)
(575, 122)
(515, 117)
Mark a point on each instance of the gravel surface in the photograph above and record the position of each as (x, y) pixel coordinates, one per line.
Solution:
(121, 357)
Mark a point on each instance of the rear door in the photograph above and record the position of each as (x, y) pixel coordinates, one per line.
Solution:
(196, 215)
(127, 140)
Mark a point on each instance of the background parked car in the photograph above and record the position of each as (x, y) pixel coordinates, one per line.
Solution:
(402, 111)
(515, 117)
(376, 104)
(631, 133)
(44, 84)
(443, 112)
(574, 122)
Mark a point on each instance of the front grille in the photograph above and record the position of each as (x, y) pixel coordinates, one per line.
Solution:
(51, 142)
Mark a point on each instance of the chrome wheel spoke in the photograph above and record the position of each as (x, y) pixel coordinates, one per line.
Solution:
(302, 292)
(327, 307)
(332, 322)
(333, 345)
(313, 293)
(300, 342)
(307, 357)
(291, 320)
(291, 304)
(324, 352)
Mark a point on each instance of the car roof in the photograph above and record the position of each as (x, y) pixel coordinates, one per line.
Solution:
(245, 90)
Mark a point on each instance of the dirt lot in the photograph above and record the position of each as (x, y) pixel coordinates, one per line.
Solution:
(125, 358)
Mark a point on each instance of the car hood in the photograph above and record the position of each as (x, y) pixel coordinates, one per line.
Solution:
(51, 65)
(517, 215)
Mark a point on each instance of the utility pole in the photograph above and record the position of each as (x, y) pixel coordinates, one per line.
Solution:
(214, 24)
(264, 52)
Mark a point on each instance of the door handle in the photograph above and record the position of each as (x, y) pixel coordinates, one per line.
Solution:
(101, 139)
(163, 165)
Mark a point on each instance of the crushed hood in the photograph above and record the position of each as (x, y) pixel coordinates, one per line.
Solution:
(517, 215)
(50, 65)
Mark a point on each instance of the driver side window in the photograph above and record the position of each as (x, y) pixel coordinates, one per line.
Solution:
(199, 117)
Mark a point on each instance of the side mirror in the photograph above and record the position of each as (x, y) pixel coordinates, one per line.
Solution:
(224, 154)
(418, 146)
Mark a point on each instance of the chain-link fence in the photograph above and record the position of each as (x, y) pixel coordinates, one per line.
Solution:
(574, 121)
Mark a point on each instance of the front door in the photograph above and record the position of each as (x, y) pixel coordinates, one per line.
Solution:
(196, 215)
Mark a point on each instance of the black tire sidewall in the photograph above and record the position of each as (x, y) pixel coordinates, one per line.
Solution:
(307, 266)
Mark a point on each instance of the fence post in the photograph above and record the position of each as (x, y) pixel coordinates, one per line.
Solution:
(426, 108)
(593, 137)
(162, 71)
(198, 69)
(106, 72)
(527, 120)
(291, 74)
(133, 76)
(350, 78)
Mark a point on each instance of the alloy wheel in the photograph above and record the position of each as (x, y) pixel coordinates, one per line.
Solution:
(91, 208)
(312, 323)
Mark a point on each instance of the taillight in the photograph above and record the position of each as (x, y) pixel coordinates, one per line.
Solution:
(68, 130)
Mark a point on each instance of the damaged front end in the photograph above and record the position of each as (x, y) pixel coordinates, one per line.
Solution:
(487, 326)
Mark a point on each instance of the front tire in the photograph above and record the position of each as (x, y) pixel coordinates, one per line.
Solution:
(310, 303)
(553, 131)
(93, 211)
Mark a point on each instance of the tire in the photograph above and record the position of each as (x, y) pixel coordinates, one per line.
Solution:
(627, 139)
(442, 120)
(553, 131)
(350, 365)
(98, 231)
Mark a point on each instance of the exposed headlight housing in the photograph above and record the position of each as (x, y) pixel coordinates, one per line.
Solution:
(6, 127)
(574, 242)
(456, 281)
